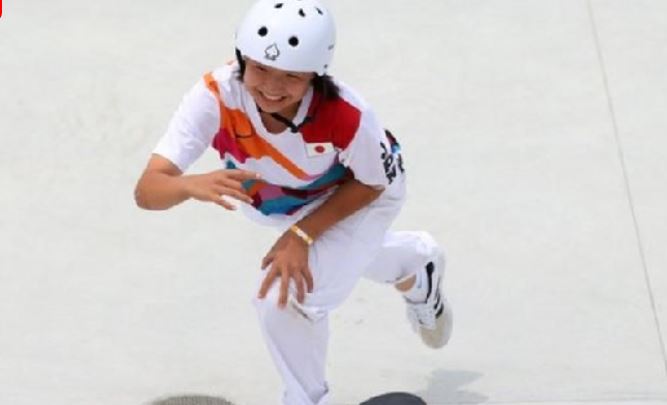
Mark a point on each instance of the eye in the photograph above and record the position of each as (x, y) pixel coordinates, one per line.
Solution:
(294, 78)
(257, 67)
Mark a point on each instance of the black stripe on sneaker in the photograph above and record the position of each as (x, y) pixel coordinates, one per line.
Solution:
(440, 311)
(430, 268)
(437, 299)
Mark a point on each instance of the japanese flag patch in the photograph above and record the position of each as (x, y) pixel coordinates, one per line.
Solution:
(319, 148)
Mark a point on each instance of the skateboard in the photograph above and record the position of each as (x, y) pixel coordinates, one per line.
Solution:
(395, 398)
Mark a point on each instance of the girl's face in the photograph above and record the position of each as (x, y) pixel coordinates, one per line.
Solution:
(275, 90)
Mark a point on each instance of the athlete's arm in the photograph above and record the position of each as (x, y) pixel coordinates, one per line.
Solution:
(162, 186)
(289, 255)
(350, 197)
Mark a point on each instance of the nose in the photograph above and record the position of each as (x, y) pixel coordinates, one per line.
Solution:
(274, 83)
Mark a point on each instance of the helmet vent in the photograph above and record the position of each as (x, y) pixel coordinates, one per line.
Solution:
(279, 5)
(263, 31)
(301, 13)
(294, 41)
(319, 11)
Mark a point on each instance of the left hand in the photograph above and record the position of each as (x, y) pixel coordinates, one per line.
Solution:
(289, 260)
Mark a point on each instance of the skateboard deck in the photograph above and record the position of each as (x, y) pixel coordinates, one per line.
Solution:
(395, 398)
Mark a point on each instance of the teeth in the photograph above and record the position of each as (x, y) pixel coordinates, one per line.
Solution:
(272, 98)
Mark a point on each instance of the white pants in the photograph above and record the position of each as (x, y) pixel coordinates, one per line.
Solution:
(359, 246)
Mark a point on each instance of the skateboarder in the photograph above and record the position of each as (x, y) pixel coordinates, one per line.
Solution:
(303, 153)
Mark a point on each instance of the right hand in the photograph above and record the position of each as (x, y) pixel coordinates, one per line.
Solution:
(211, 187)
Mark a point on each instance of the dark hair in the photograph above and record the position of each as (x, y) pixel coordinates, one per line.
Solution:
(324, 85)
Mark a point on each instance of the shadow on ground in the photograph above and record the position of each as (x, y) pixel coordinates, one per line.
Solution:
(446, 387)
(191, 400)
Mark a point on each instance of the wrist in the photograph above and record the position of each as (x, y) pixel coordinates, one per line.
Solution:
(183, 186)
(301, 234)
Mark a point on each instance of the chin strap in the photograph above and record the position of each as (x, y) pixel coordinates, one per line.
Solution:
(294, 128)
(287, 122)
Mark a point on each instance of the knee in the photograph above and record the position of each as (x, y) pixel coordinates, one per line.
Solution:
(269, 313)
(429, 247)
(274, 318)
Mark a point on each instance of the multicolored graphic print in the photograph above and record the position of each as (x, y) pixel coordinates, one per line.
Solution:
(238, 137)
(272, 199)
(238, 141)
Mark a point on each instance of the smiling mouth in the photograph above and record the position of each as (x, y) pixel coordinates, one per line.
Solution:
(271, 97)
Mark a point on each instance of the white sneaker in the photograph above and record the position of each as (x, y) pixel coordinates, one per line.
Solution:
(432, 319)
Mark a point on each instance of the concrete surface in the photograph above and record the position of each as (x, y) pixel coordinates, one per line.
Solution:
(534, 140)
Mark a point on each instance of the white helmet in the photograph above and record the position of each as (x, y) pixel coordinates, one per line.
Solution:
(295, 35)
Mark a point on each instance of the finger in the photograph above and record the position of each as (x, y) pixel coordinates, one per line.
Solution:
(308, 276)
(266, 284)
(300, 295)
(219, 200)
(284, 289)
(242, 175)
(267, 260)
(239, 195)
(227, 184)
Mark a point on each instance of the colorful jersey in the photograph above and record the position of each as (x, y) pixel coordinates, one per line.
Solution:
(343, 139)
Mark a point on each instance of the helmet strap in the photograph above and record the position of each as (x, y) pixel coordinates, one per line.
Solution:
(289, 123)
(285, 121)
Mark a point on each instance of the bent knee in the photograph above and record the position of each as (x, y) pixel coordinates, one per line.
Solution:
(273, 316)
